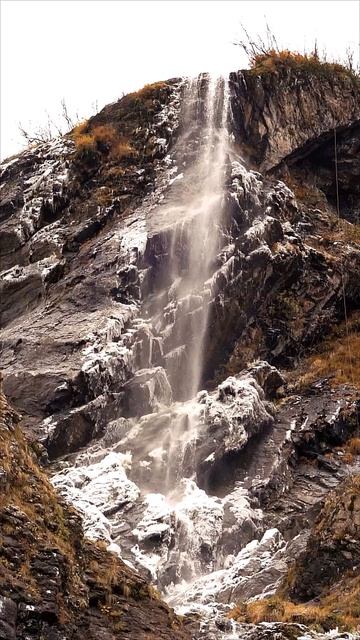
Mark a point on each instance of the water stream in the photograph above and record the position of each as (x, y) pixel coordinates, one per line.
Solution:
(196, 208)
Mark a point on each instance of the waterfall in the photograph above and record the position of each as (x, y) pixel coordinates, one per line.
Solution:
(196, 206)
(194, 210)
(156, 444)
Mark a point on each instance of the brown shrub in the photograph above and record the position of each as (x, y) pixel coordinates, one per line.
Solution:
(103, 138)
(104, 134)
(149, 90)
(84, 142)
(83, 139)
(122, 149)
(80, 129)
(86, 138)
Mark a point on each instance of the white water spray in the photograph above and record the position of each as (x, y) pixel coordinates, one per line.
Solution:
(196, 211)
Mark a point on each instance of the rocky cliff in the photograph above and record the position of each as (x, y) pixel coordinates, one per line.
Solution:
(107, 320)
(54, 583)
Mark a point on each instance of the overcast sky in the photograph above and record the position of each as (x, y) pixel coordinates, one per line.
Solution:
(90, 51)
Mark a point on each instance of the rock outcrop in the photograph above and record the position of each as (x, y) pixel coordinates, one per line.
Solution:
(333, 548)
(289, 112)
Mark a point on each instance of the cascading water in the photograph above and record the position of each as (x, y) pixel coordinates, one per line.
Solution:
(166, 522)
(197, 209)
(179, 313)
(179, 310)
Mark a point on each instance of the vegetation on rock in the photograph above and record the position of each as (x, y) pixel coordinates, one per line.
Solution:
(326, 577)
(266, 56)
(103, 138)
(337, 357)
(273, 61)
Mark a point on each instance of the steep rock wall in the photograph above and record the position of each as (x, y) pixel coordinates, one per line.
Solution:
(279, 113)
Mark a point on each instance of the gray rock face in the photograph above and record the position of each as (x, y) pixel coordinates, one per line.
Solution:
(278, 114)
(147, 391)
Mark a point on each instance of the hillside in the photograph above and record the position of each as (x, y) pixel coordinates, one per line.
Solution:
(180, 314)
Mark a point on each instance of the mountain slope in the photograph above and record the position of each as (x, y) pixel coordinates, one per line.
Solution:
(141, 252)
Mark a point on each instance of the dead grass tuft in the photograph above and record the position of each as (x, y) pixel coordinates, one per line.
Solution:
(273, 61)
(339, 608)
(123, 149)
(353, 446)
(105, 139)
(149, 91)
(337, 358)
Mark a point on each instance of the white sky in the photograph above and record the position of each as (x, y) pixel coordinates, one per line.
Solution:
(90, 51)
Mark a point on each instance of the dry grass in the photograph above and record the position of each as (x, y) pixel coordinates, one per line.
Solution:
(112, 137)
(339, 608)
(348, 452)
(276, 609)
(105, 134)
(28, 495)
(107, 574)
(105, 139)
(25, 483)
(122, 149)
(103, 196)
(343, 230)
(80, 129)
(353, 446)
(285, 247)
(144, 100)
(274, 61)
(338, 357)
(32, 513)
(148, 91)
(116, 172)
(84, 141)
(329, 526)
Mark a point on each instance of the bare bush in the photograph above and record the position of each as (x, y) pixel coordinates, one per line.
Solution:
(265, 55)
(52, 128)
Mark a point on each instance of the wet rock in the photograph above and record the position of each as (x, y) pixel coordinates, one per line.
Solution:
(256, 569)
(98, 490)
(20, 290)
(233, 415)
(115, 318)
(146, 391)
(54, 583)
